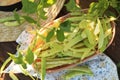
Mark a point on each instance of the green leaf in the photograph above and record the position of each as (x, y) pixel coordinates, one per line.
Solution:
(60, 35)
(71, 6)
(65, 26)
(50, 35)
(17, 17)
(29, 19)
(17, 59)
(29, 6)
(24, 65)
(29, 57)
(113, 3)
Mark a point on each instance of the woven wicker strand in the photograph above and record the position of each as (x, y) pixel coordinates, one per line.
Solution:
(12, 33)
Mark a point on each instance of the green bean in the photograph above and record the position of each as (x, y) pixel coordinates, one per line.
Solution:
(108, 32)
(13, 76)
(51, 63)
(43, 68)
(90, 36)
(4, 65)
(105, 44)
(101, 35)
(76, 13)
(73, 54)
(105, 24)
(55, 48)
(49, 53)
(75, 19)
(80, 44)
(87, 44)
(83, 34)
(72, 35)
(81, 69)
(72, 42)
(13, 23)
(83, 24)
(87, 53)
(62, 61)
(72, 74)
(83, 49)
(48, 66)
(74, 24)
(6, 19)
(58, 59)
(97, 29)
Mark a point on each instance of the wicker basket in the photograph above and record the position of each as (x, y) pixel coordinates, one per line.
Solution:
(8, 2)
(12, 33)
(96, 52)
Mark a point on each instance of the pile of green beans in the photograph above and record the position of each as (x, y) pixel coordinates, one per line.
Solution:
(87, 36)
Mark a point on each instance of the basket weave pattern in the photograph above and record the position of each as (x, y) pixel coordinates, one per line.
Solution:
(12, 33)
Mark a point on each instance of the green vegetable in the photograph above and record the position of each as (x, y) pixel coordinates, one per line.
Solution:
(66, 26)
(13, 76)
(77, 71)
(6, 19)
(81, 69)
(29, 7)
(52, 63)
(50, 35)
(85, 54)
(51, 52)
(13, 23)
(90, 36)
(4, 65)
(76, 38)
(72, 54)
(75, 18)
(87, 44)
(29, 19)
(60, 35)
(29, 56)
(71, 6)
(17, 17)
(43, 68)
(74, 41)
(25, 72)
(101, 35)
(79, 45)
(17, 59)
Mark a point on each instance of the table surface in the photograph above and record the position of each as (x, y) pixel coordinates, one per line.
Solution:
(113, 51)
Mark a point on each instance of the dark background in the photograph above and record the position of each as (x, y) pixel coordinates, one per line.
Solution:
(113, 51)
